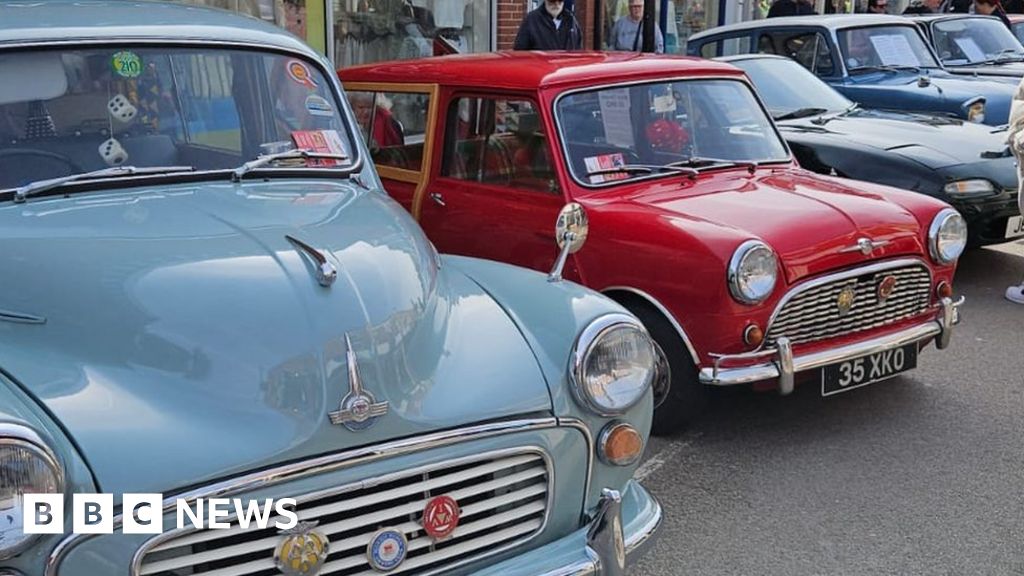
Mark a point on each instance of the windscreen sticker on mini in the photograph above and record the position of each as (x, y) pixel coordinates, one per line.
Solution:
(605, 162)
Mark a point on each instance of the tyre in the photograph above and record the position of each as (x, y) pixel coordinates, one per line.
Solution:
(687, 398)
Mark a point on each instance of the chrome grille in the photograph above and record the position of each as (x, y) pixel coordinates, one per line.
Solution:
(503, 502)
(811, 313)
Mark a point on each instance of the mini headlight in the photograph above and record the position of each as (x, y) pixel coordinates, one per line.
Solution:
(26, 467)
(975, 110)
(973, 188)
(752, 272)
(947, 236)
(613, 364)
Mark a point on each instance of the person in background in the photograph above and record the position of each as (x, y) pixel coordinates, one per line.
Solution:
(386, 131)
(549, 27)
(878, 6)
(628, 30)
(1015, 138)
(922, 7)
(992, 8)
(790, 8)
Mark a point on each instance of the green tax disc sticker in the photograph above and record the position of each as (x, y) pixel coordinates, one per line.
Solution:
(127, 64)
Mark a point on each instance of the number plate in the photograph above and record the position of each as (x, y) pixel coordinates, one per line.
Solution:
(843, 376)
(1015, 226)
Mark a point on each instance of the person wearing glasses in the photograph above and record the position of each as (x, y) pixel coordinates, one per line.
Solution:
(627, 31)
(549, 27)
(878, 6)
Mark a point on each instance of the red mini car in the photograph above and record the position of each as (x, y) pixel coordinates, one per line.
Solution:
(745, 268)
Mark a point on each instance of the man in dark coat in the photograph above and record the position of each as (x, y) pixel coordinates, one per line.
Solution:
(549, 27)
(790, 8)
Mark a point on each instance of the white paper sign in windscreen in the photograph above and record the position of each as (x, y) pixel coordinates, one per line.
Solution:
(618, 129)
(894, 50)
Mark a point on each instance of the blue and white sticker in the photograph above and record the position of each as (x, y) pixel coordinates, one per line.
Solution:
(319, 106)
(387, 549)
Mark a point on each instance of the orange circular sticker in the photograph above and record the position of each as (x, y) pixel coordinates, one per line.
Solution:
(300, 73)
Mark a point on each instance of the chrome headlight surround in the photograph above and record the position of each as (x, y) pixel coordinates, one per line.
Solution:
(753, 272)
(947, 236)
(974, 109)
(21, 443)
(594, 387)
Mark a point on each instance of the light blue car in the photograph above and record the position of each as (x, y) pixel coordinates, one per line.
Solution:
(206, 294)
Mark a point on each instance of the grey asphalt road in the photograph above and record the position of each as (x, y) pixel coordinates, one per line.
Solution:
(922, 474)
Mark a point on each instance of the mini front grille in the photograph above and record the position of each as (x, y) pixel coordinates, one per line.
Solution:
(503, 501)
(813, 313)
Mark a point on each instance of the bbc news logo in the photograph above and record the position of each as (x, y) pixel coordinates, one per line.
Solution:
(144, 513)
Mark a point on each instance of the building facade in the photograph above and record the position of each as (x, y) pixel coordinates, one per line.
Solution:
(364, 31)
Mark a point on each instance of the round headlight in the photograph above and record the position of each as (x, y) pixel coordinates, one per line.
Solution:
(947, 236)
(26, 467)
(752, 272)
(613, 364)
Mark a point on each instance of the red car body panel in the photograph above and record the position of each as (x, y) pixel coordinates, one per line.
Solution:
(671, 237)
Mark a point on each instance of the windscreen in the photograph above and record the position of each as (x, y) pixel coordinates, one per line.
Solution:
(71, 111)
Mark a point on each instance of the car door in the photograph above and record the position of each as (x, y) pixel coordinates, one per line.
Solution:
(395, 121)
(495, 193)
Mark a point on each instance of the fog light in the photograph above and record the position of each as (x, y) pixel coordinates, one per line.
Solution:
(944, 290)
(620, 444)
(753, 335)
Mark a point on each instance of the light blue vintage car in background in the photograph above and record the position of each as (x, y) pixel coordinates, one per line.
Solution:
(205, 293)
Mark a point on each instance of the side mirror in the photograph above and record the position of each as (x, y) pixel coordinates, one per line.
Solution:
(570, 233)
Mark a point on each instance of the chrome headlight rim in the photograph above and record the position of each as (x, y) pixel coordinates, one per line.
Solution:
(938, 222)
(24, 437)
(974, 109)
(584, 345)
(735, 265)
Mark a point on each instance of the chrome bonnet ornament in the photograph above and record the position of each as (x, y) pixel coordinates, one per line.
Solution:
(359, 409)
(865, 246)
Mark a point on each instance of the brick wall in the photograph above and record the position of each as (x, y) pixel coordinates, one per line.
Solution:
(511, 13)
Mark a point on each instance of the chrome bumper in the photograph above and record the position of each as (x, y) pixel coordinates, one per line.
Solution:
(780, 364)
(622, 528)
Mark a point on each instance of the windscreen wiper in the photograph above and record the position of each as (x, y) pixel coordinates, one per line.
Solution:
(886, 68)
(643, 169)
(1005, 56)
(40, 186)
(699, 163)
(800, 113)
(301, 153)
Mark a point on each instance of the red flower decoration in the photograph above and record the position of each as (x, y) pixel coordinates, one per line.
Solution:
(667, 136)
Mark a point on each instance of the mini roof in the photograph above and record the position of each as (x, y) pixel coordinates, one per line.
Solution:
(533, 70)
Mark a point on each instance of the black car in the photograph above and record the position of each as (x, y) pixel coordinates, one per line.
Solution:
(974, 45)
(965, 164)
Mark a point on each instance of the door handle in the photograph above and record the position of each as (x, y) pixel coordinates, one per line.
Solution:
(437, 198)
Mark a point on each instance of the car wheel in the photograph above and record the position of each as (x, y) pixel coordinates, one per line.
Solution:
(687, 398)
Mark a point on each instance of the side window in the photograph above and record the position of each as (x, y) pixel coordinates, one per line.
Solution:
(810, 49)
(205, 87)
(498, 141)
(394, 125)
(726, 47)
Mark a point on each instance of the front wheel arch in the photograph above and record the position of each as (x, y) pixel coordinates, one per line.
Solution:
(687, 397)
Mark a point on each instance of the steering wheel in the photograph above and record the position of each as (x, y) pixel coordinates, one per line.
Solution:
(20, 166)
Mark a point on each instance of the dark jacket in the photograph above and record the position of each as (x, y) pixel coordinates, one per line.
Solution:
(790, 8)
(537, 32)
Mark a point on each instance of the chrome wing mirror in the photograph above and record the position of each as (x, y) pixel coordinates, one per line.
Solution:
(570, 234)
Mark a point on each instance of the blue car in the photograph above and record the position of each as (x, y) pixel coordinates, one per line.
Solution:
(974, 45)
(878, 61)
(208, 298)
